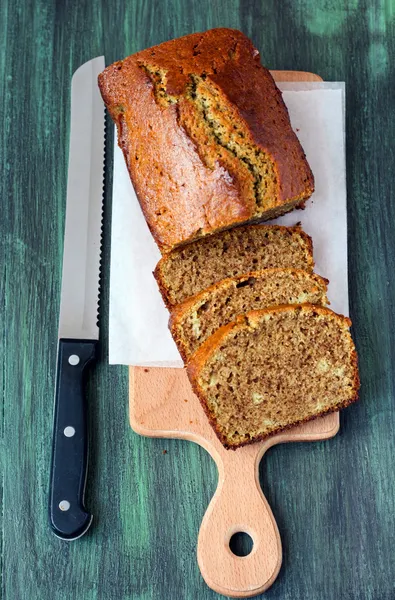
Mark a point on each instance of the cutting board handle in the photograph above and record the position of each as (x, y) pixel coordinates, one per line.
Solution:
(239, 505)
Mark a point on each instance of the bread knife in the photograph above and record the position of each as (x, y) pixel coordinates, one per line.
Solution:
(78, 335)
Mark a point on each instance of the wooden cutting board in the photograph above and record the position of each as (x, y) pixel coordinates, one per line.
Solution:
(162, 404)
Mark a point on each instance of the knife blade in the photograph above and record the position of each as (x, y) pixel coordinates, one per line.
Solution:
(78, 322)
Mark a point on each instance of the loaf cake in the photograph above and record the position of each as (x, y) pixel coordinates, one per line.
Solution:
(274, 368)
(188, 270)
(206, 136)
(193, 321)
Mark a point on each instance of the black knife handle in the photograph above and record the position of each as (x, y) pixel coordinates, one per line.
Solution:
(68, 516)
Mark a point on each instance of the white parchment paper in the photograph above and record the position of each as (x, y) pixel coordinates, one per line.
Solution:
(138, 319)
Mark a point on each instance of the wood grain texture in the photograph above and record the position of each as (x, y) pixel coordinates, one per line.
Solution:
(162, 404)
(334, 502)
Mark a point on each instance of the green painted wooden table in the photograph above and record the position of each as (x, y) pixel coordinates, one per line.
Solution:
(334, 501)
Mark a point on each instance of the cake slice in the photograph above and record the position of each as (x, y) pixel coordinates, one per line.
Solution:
(274, 368)
(193, 321)
(188, 270)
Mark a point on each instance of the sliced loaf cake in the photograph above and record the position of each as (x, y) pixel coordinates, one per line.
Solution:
(188, 270)
(193, 321)
(206, 136)
(274, 368)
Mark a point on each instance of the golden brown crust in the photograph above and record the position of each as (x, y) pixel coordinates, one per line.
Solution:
(182, 349)
(179, 311)
(160, 267)
(182, 196)
(158, 274)
(214, 342)
(203, 353)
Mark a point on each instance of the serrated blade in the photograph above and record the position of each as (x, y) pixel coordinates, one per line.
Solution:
(82, 239)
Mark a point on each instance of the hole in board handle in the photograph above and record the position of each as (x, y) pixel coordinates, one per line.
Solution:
(241, 544)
